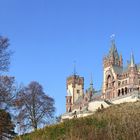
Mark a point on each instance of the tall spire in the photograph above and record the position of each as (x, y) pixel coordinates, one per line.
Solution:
(112, 41)
(121, 60)
(113, 49)
(91, 80)
(132, 61)
(74, 70)
(91, 83)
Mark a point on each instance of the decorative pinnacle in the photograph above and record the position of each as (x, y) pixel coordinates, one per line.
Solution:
(91, 84)
(91, 80)
(132, 60)
(74, 70)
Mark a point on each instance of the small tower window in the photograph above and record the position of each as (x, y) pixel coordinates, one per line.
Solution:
(78, 91)
(119, 83)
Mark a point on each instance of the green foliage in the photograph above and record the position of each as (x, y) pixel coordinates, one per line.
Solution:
(119, 122)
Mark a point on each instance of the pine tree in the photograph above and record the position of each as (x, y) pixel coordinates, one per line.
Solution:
(6, 126)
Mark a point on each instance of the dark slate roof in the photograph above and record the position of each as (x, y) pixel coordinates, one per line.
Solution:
(113, 50)
(125, 69)
(138, 65)
(117, 70)
(97, 94)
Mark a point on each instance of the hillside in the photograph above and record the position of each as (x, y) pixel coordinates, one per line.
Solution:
(118, 122)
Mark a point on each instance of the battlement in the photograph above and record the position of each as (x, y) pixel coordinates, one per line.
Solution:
(75, 79)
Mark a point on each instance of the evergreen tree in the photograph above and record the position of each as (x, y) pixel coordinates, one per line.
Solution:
(6, 126)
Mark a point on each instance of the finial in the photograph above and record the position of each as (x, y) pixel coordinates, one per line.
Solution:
(91, 84)
(91, 80)
(74, 71)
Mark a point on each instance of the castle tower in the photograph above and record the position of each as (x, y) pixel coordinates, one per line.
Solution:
(75, 87)
(111, 63)
(113, 58)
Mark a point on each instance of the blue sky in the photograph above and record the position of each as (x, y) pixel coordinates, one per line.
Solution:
(48, 35)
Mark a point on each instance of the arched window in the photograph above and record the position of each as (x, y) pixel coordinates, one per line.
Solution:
(122, 91)
(108, 81)
(126, 90)
(69, 109)
(119, 83)
(119, 92)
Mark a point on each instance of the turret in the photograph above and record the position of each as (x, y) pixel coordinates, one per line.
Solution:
(91, 89)
(75, 87)
(132, 70)
(132, 61)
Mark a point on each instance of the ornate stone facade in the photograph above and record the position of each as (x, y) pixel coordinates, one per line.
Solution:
(118, 82)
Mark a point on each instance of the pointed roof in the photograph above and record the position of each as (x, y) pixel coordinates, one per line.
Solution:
(91, 80)
(74, 70)
(132, 61)
(91, 89)
(113, 50)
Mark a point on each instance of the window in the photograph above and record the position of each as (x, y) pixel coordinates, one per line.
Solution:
(119, 92)
(122, 91)
(119, 83)
(78, 91)
(126, 90)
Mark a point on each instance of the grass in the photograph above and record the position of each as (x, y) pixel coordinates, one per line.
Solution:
(118, 122)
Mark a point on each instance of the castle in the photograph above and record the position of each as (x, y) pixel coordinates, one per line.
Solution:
(120, 84)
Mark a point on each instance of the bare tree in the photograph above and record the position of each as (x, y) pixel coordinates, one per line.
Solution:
(34, 106)
(5, 54)
(7, 91)
(6, 82)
